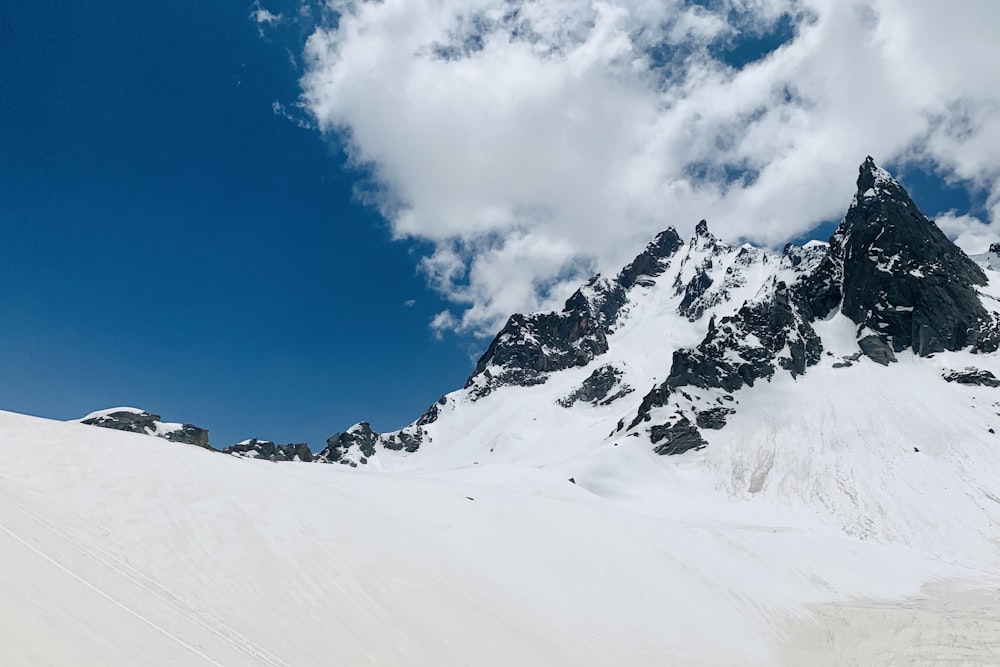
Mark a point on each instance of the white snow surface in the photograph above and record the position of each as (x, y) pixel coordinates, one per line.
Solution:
(847, 516)
(124, 549)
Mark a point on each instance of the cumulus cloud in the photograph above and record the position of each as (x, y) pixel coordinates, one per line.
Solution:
(969, 232)
(532, 142)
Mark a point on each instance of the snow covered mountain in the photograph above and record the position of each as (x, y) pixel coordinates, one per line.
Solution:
(665, 350)
(852, 380)
(722, 455)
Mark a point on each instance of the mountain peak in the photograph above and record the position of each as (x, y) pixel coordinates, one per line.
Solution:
(902, 280)
(874, 180)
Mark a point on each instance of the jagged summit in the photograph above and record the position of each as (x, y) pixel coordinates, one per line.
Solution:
(901, 279)
(666, 348)
(874, 180)
(652, 261)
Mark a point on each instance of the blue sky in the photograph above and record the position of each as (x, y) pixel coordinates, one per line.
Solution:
(168, 241)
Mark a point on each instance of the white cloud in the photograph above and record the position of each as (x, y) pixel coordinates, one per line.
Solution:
(534, 141)
(263, 16)
(969, 232)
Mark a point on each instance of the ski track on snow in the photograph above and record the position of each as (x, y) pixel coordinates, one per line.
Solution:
(119, 564)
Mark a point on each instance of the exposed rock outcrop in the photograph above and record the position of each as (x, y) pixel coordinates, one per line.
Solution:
(973, 376)
(266, 449)
(596, 389)
(135, 420)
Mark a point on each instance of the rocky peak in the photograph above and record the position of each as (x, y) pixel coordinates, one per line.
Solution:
(529, 347)
(901, 280)
(888, 267)
(652, 261)
(873, 180)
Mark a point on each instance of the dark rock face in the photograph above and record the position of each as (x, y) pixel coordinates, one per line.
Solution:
(432, 413)
(653, 261)
(189, 435)
(973, 376)
(596, 388)
(714, 418)
(876, 349)
(133, 422)
(365, 441)
(902, 278)
(774, 325)
(265, 449)
(150, 424)
(677, 437)
(742, 349)
(692, 306)
(403, 440)
(362, 438)
(529, 347)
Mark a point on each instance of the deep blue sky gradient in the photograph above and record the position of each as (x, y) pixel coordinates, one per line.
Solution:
(167, 241)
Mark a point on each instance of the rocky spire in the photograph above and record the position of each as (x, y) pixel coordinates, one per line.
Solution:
(902, 281)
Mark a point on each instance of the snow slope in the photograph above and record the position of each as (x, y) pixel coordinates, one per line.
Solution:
(123, 549)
